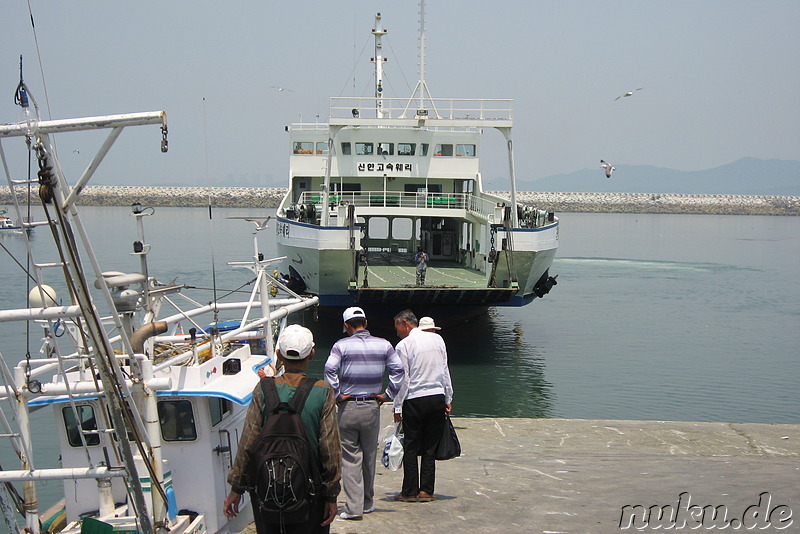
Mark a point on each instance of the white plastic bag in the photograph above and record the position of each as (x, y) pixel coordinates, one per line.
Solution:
(392, 438)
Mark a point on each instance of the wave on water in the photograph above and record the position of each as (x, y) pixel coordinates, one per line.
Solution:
(650, 265)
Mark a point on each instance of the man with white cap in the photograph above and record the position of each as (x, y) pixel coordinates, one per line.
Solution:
(424, 399)
(295, 348)
(355, 370)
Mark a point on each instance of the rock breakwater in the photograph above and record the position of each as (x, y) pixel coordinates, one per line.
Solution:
(257, 197)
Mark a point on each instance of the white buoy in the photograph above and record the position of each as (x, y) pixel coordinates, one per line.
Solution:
(50, 297)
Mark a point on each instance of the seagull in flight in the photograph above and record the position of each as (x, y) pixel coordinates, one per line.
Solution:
(629, 93)
(607, 166)
(261, 224)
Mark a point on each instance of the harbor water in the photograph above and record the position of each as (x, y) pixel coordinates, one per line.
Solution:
(655, 317)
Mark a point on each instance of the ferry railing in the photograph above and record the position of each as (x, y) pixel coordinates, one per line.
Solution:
(434, 108)
(481, 207)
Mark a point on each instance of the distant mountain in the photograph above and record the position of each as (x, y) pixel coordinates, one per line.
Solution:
(747, 176)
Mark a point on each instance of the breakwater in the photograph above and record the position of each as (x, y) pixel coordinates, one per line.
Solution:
(260, 197)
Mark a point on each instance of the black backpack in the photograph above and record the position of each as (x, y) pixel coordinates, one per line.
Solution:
(287, 477)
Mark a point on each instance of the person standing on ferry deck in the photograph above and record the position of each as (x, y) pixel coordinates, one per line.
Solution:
(421, 259)
(355, 370)
(425, 396)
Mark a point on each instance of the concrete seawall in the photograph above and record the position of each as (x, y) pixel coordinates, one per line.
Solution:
(255, 197)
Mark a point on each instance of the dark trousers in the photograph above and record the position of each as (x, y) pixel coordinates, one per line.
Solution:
(423, 425)
(309, 527)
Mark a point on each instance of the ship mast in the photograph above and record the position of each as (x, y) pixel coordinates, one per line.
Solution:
(378, 59)
(421, 90)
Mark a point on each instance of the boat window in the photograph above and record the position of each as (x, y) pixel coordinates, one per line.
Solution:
(364, 149)
(88, 423)
(424, 149)
(322, 148)
(402, 228)
(177, 420)
(386, 149)
(350, 191)
(378, 228)
(465, 150)
(414, 188)
(443, 150)
(218, 408)
(346, 148)
(406, 149)
(303, 147)
(422, 188)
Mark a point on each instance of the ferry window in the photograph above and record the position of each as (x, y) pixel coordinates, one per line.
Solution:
(406, 149)
(378, 228)
(386, 149)
(218, 408)
(424, 149)
(346, 148)
(402, 228)
(177, 420)
(303, 147)
(443, 150)
(88, 423)
(414, 188)
(422, 188)
(364, 149)
(465, 150)
(322, 148)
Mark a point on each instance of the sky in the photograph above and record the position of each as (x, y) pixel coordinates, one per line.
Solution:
(720, 79)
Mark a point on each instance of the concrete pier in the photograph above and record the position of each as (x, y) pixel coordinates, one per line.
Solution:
(575, 476)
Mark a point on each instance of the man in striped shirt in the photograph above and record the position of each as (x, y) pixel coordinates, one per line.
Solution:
(355, 370)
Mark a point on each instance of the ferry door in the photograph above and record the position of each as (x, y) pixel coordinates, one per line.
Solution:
(443, 245)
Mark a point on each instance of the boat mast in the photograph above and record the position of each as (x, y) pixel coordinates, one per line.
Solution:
(421, 83)
(378, 59)
(421, 90)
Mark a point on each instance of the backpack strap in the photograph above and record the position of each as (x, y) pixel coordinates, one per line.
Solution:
(270, 392)
(272, 400)
(300, 396)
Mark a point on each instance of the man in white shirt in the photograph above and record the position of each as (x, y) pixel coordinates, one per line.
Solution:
(425, 396)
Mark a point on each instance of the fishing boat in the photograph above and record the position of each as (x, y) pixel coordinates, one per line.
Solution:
(148, 387)
(7, 223)
(385, 177)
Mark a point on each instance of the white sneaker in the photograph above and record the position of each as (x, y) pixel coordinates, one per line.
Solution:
(350, 517)
(369, 510)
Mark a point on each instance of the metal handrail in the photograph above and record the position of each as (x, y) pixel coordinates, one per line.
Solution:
(475, 205)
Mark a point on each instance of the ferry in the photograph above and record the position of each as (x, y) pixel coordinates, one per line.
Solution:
(386, 177)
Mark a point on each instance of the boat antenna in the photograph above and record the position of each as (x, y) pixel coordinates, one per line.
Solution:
(41, 67)
(421, 49)
(210, 216)
(378, 59)
(421, 90)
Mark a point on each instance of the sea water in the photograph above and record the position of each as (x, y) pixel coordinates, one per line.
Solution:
(655, 317)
